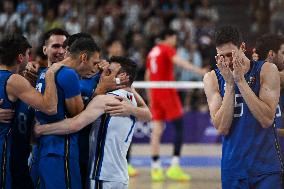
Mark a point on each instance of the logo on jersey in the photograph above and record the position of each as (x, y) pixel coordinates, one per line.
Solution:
(252, 80)
(129, 97)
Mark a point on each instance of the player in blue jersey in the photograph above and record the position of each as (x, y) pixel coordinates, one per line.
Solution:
(113, 165)
(88, 87)
(242, 96)
(270, 47)
(14, 51)
(50, 51)
(58, 162)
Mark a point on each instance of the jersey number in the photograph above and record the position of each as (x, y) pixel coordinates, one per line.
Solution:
(239, 107)
(39, 87)
(153, 59)
(22, 123)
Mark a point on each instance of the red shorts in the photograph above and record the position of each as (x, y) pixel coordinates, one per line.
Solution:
(165, 104)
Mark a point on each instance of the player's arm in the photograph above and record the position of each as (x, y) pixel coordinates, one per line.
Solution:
(221, 110)
(263, 107)
(6, 115)
(68, 81)
(108, 80)
(125, 108)
(19, 87)
(71, 125)
(188, 65)
(281, 79)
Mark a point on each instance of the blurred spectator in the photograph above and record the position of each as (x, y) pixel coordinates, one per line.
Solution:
(51, 21)
(33, 33)
(184, 25)
(277, 15)
(132, 10)
(9, 20)
(207, 11)
(72, 25)
(190, 52)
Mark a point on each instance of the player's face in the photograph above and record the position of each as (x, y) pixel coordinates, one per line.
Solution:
(113, 66)
(89, 67)
(54, 48)
(225, 50)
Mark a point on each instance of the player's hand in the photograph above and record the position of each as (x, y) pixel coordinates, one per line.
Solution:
(33, 66)
(239, 67)
(100, 66)
(37, 129)
(6, 115)
(31, 72)
(55, 67)
(119, 108)
(224, 69)
(109, 81)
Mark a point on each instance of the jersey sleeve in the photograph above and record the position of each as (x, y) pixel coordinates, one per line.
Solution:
(68, 80)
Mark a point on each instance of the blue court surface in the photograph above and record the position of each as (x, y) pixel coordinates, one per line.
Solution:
(185, 161)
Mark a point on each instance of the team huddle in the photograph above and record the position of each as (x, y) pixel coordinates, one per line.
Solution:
(73, 68)
(78, 111)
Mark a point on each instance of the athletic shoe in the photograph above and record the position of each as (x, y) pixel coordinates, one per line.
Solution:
(132, 172)
(157, 175)
(176, 173)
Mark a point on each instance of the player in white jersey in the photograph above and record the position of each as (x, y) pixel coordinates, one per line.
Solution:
(110, 136)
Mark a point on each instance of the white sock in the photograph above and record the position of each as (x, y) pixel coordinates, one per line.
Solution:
(156, 164)
(175, 161)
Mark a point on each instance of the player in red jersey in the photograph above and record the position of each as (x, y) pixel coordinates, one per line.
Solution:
(165, 103)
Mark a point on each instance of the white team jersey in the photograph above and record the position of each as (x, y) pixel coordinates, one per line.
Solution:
(110, 138)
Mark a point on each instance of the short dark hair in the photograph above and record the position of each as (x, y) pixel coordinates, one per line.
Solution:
(166, 33)
(55, 31)
(84, 45)
(127, 65)
(227, 34)
(11, 46)
(268, 42)
(72, 38)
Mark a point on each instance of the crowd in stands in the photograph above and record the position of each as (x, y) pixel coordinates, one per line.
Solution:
(135, 24)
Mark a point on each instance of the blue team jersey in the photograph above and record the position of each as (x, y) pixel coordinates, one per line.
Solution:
(7, 104)
(87, 87)
(5, 130)
(21, 134)
(248, 150)
(67, 83)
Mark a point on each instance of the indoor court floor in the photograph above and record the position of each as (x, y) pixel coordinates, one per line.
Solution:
(201, 161)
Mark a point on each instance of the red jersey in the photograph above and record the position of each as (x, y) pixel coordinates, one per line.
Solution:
(159, 63)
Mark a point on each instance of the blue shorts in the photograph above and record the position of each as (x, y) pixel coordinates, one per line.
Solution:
(266, 181)
(34, 173)
(55, 172)
(5, 151)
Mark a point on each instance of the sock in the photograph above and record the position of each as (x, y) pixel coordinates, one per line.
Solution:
(156, 164)
(175, 161)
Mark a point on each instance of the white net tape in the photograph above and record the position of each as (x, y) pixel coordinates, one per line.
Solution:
(169, 84)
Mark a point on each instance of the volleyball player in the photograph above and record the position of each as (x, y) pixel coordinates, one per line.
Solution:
(242, 96)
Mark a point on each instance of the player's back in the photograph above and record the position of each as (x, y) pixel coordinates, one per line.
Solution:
(159, 63)
(21, 136)
(66, 79)
(5, 133)
(248, 149)
(7, 104)
(109, 142)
